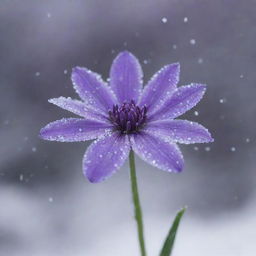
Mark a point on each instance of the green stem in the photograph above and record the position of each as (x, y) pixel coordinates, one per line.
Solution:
(136, 202)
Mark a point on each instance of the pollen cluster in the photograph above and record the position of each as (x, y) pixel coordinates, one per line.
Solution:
(128, 118)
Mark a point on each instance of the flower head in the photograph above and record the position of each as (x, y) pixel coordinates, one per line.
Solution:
(122, 115)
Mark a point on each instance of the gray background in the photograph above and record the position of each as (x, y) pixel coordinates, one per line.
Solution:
(47, 207)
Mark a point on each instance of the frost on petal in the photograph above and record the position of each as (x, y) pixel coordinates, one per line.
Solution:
(74, 129)
(181, 131)
(160, 86)
(92, 89)
(126, 77)
(183, 99)
(77, 107)
(105, 156)
(157, 151)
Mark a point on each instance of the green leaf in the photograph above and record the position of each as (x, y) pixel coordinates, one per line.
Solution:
(169, 242)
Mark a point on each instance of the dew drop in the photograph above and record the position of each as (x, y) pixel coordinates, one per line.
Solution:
(65, 72)
(174, 47)
(50, 199)
(37, 74)
(34, 149)
(185, 19)
(21, 177)
(196, 113)
(247, 140)
(196, 148)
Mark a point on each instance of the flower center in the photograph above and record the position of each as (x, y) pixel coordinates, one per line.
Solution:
(128, 118)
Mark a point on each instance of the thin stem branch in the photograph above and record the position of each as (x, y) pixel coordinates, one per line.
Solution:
(136, 202)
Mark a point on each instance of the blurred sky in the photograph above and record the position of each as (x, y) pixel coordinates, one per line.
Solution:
(47, 206)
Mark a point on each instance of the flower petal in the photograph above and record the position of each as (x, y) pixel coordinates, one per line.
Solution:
(77, 107)
(74, 129)
(183, 99)
(126, 77)
(105, 156)
(160, 86)
(181, 131)
(92, 89)
(158, 152)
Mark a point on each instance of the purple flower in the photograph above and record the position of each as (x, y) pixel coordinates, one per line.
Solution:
(122, 115)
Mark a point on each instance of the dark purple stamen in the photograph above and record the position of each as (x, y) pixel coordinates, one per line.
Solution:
(128, 118)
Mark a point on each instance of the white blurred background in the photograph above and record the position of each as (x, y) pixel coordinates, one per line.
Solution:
(47, 207)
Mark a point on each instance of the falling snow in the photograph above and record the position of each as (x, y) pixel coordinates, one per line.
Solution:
(222, 100)
(164, 19)
(247, 140)
(21, 177)
(233, 149)
(200, 61)
(207, 149)
(192, 41)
